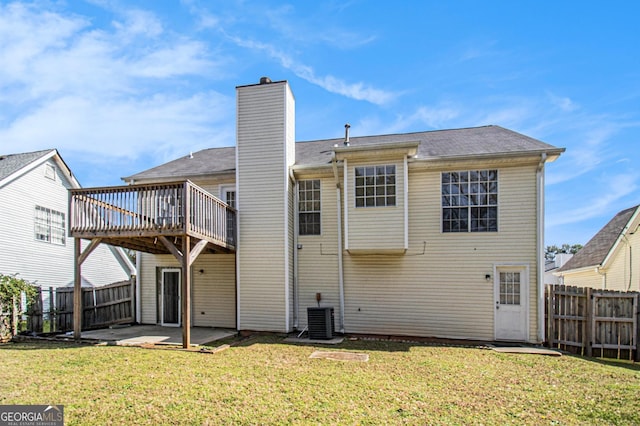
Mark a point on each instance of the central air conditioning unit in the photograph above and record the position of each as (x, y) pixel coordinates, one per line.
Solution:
(321, 323)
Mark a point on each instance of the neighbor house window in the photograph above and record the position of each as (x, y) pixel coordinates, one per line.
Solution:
(309, 207)
(375, 186)
(49, 225)
(470, 201)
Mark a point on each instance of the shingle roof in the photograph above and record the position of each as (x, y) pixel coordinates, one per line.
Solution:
(454, 143)
(596, 250)
(11, 163)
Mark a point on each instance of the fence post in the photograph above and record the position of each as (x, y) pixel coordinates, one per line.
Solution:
(550, 314)
(52, 311)
(14, 316)
(636, 324)
(589, 323)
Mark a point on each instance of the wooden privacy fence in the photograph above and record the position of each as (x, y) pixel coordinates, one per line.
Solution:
(593, 322)
(101, 307)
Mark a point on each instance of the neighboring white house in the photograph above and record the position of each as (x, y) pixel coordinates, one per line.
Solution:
(34, 239)
(436, 233)
(551, 266)
(611, 259)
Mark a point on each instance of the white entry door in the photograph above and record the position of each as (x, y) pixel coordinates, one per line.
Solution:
(170, 304)
(511, 293)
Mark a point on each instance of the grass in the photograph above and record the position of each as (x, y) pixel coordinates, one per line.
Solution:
(264, 381)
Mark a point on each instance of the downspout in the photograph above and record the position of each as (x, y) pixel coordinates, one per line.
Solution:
(626, 240)
(540, 250)
(138, 318)
(296, 219)
(604, 277)
(340, 260)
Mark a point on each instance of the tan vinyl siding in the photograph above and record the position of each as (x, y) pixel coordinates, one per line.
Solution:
(438, 288)
(213, 291)
(623, 273)
(375, 229)
(318, 259)
(588, 278)
(263, 191)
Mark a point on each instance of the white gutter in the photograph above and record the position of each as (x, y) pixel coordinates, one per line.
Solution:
(540, 250)
(340, 260)
(296, 303)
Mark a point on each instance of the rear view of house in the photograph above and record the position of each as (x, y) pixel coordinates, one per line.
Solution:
(435, 233)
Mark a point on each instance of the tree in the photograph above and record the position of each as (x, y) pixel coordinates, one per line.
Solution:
(551, 251)
(11, 290)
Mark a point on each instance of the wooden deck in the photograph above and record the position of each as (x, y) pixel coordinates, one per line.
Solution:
(138, 217)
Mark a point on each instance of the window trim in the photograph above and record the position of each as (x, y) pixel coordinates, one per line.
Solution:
(375, 197)
(469, 206)
(49, 226)
(300, 211)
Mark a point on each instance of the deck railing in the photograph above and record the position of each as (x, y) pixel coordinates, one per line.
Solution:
(151, 209)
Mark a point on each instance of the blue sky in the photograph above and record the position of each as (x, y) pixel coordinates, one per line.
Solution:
(121, 86)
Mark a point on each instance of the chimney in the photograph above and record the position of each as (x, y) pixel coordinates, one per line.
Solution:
(265, 150)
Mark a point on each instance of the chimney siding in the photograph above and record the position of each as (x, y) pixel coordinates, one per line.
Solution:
(265, 149)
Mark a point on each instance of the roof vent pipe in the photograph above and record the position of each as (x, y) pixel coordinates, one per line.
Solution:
(265, 80)
(346, 134)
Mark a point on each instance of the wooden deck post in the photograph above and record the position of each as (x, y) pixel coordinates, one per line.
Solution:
(186, 292)
(77, 289)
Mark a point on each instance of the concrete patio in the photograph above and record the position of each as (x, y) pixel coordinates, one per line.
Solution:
(155, 334)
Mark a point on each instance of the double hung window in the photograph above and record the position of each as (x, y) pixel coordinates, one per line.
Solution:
(309, 218)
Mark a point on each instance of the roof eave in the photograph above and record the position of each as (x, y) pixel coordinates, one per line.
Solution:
(626, 227)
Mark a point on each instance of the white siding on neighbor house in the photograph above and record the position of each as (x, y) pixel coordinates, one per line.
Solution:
(49, 265)
(213, 290)
(438, 288)
(375, 229)
(263, 154)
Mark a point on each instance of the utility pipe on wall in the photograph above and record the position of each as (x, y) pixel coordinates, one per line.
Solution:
(340, 260)
(296, 219)
(540, 250)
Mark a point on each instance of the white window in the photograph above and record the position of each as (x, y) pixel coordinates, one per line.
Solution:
(49, 226)
(228, 195)
(470, 201)
(375, 186)
(309, 207)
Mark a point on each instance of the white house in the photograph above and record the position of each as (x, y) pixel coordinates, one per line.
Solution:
(34, 240)
(436, 233)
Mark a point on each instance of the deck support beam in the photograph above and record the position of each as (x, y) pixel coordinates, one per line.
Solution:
(79, 258)
(186, 292)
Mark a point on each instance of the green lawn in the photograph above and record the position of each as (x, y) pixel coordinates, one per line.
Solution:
(264, 381)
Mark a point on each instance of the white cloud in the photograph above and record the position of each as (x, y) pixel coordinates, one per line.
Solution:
(95, 90)
(359, 91)
(618, 187)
